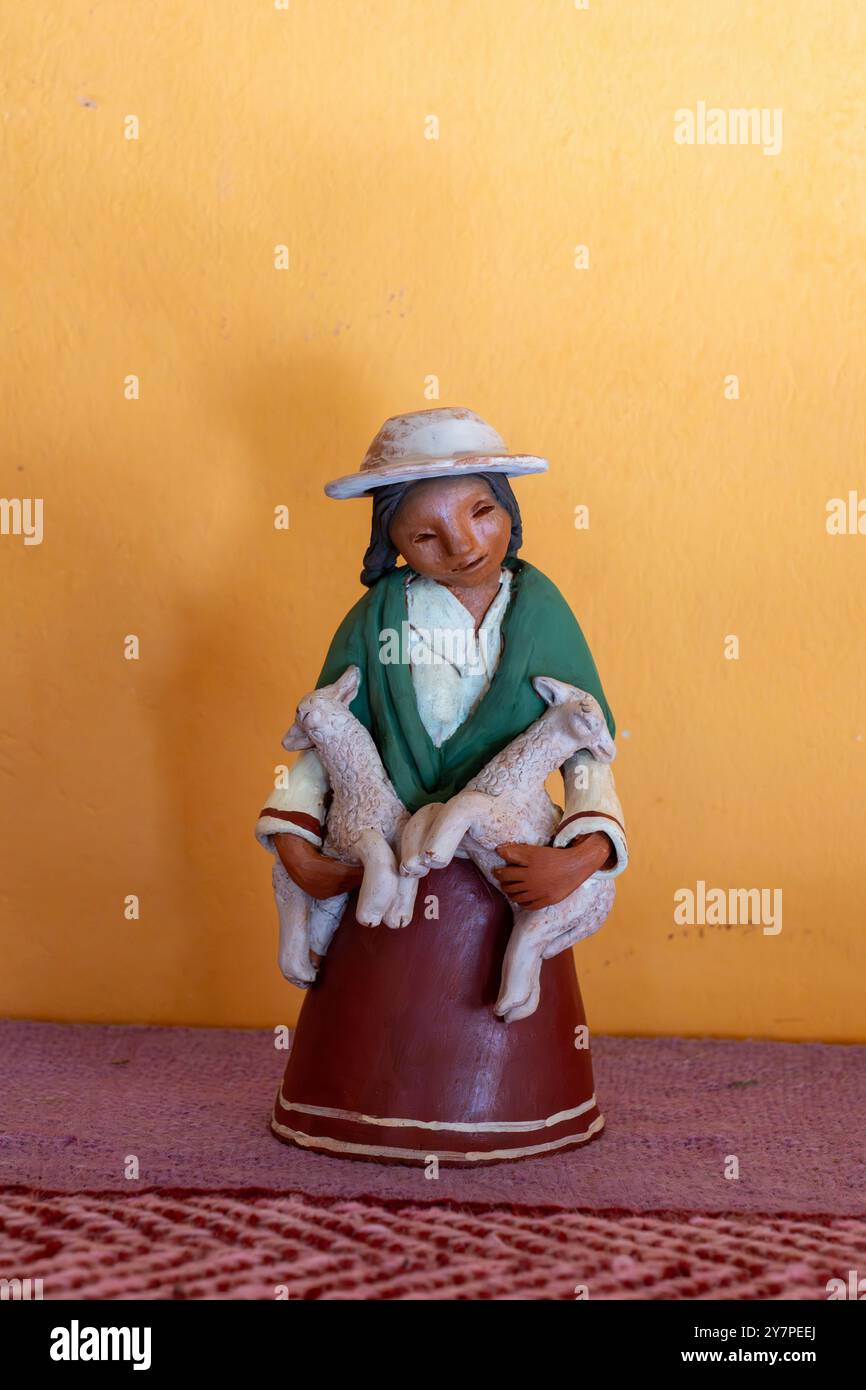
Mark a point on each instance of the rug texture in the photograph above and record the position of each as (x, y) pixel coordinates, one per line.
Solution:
(161, 1245)
(84, 1108)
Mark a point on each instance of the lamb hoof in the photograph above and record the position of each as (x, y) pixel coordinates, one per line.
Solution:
(433, 860)
(295, 978)
(522, 1011)
(413, 868)
(511, 1010)
(395, 923)
(369, 913)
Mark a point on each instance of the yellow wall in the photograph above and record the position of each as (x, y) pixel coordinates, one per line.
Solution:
(412, 257)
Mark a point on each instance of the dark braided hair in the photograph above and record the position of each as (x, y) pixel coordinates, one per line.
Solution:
(381, 556)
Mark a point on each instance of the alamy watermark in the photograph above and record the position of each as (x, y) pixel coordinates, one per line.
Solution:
(740, 125)
(729, 907)
(20, 1290)
(846, 516)
(851, 1288)
(22, 516)
(418, 646)
(77, 1343)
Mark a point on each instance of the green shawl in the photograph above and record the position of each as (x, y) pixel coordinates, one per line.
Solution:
(540, 637)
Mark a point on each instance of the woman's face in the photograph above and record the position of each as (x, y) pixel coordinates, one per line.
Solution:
(452, 530)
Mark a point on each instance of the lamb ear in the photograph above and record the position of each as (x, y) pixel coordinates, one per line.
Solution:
(552, 691)
(296, 739)
(348, 685)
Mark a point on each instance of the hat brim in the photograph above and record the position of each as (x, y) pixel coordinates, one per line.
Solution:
(416, 470)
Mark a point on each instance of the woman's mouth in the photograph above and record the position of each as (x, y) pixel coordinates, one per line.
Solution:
(471, 565)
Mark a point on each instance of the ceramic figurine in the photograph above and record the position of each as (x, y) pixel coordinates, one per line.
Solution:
(428, 889)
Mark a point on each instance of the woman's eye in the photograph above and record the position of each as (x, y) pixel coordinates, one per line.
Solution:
(427, 536)
(482, 511)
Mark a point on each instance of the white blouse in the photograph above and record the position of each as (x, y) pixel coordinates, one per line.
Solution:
(452, 665)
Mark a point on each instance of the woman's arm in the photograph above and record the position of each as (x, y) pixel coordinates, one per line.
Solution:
(291, 825)
(535, 876)
(313, 871)
(591, 803)
(590, 840)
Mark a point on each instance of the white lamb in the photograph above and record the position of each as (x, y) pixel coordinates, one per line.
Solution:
(365, 822)
(507, 802)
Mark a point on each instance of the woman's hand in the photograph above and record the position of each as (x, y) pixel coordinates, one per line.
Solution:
(536, 876)
(313, 871)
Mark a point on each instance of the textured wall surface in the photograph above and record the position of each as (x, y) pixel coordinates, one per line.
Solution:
(410, 258)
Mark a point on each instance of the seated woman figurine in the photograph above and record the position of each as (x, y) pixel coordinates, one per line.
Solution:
(398, 1054)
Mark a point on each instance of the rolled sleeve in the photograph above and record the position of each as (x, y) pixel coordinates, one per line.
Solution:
(299, 807)
(591, 804)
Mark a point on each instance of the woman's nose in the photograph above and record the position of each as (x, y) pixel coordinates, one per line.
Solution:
(459, 540)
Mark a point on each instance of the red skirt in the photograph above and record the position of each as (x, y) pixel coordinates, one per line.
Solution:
(399, 1057)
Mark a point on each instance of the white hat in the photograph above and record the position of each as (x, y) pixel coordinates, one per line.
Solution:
(441, 443)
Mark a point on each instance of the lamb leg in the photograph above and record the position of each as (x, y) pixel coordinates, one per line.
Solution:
(539, 935)
(399, 913)
(325, 915)
(520, 988)
(580, 915)
(450, 825)
(293, 909)
(415, 834)
(381, 880)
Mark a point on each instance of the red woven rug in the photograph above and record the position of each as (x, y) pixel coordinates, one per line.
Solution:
(222, 1210)
(218, 1245)
(193, 1106)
